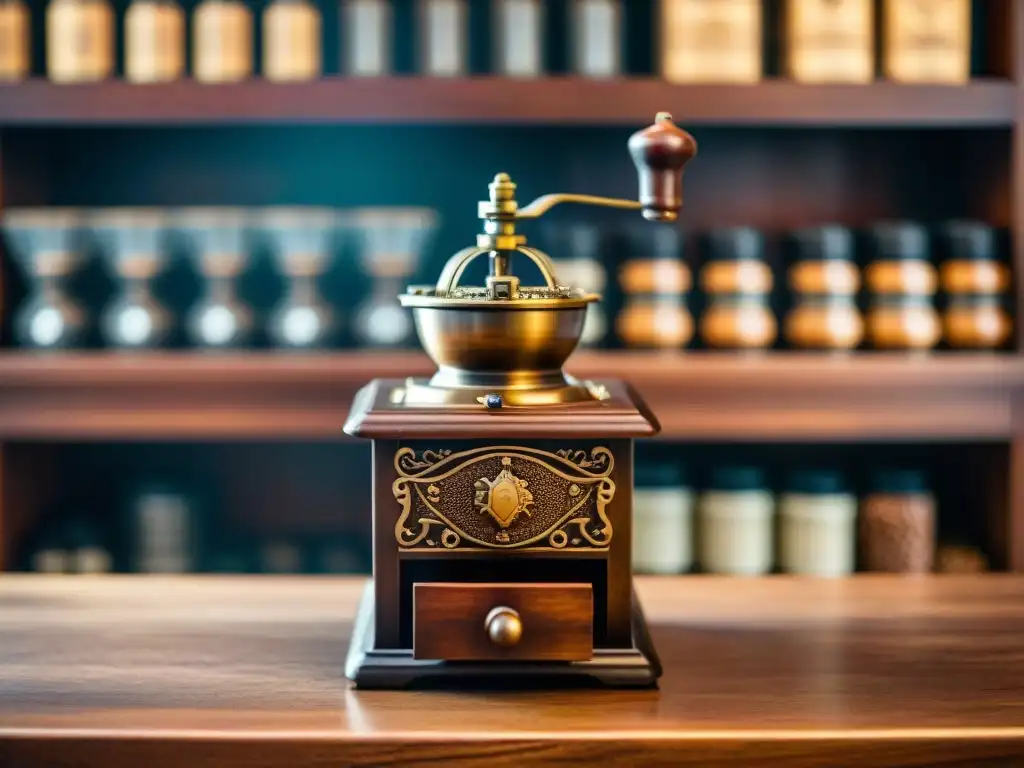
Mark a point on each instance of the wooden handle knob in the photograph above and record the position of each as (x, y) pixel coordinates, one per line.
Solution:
(504, 627)
(659, 153)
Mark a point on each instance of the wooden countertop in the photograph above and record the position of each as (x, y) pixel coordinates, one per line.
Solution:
(202, 672)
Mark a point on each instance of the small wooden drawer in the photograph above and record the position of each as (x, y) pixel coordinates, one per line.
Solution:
(485, 622)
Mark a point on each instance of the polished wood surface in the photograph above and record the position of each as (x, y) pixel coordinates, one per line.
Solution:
(696, 396)
(983, 102)
(449, 621)
(869, 671)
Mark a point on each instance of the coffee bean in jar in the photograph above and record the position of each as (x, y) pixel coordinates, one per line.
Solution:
(738, 283)
(902, 283)
(824, 281)
(897, 523)
(976, 284)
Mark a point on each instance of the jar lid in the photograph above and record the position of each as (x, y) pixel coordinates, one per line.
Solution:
(653, 474)
(900, 240)
(735, 243)
(827, 242)
(969, 240)
(899, 481)
(737, 479)
(815, 482)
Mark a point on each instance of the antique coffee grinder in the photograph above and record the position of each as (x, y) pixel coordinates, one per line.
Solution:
(502, 496)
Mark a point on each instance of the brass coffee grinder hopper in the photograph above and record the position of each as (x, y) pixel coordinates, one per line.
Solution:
(502, 487)
(503, 344)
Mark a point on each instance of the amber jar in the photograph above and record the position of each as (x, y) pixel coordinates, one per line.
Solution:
(222, 41)
(656, 288)
(154, 40)
(902, 283)
(14, 40)
(897, 524)
(291, 41)
(824, 281)
(737, 283)
(976, 284)
(79, 40)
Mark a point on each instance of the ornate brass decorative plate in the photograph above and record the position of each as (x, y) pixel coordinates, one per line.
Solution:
(504, 497)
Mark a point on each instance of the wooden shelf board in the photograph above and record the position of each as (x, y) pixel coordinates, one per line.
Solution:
(556, 100)
(775, 396)
(868, 671)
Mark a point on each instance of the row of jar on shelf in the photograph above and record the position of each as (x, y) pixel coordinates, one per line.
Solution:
(167, 530)
(700, 40)
(814, 527)
(737, 284)
(52, 244)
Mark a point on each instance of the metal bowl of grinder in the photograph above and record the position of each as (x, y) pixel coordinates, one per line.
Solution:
(517, 345)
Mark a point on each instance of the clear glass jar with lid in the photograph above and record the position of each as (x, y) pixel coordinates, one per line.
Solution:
(976, 283)
(897, 523)
(902, 282)
(736, 523)
(818, 525)
(738, 283)
(662, 518)
(824, 280)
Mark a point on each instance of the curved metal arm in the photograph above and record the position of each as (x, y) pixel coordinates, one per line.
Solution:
(545, 203)
(456, 265)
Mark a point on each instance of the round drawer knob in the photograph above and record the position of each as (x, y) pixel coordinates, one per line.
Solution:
(504, 627)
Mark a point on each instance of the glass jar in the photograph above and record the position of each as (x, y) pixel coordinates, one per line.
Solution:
(818, 520)
(736, 523)
(519, 31)
(927, 42)
(656, 288)
(705, 42)
(366, 25)
(830, 41)
(444, 37)
(222, 34)
(291, 41)
(597, 41)
(824, 281)
(79, 40)
(897, 524)
(738, 283)
(902, 282)
(662, 519)
(977, 285)
(154, 41)
(14, 41)
(584, 269)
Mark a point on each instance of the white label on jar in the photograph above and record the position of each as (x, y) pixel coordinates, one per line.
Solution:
(520, 31)
(223, 41)
(928, 40)
(662, 530)
(711, 40)
(218, 326)
(79, 40)
(597, 37)
(301, 325)
(445, 36)
(291, 35)
(831, 40)
(367, 41)
(14, 34)
(736, 532)
(154, 42)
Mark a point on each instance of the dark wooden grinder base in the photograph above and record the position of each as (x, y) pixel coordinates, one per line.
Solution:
(636, 667)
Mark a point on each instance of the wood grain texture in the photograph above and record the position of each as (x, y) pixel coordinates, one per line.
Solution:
(490, 100)
(778, 396)
(557, 620)
(868, 671)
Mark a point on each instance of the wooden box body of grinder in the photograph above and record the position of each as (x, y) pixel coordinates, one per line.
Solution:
(475, 513)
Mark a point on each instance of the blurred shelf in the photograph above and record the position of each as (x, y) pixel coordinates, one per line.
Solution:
(554, 100)
(700, 396)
